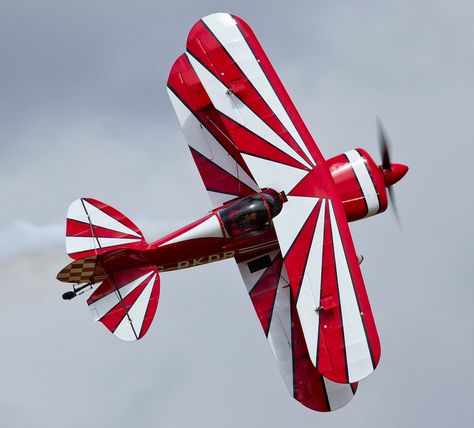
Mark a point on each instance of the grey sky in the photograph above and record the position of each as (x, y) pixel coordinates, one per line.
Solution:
(84, 112)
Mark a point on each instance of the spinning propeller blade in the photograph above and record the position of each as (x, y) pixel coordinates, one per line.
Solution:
(391, 197)
(384, 147)
(393, 172)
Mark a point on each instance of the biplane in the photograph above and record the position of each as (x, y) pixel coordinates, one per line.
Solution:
(281, 211)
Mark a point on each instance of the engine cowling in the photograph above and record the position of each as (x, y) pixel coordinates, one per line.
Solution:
(361, 184)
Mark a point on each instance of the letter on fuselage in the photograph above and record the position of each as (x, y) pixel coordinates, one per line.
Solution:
(183, 264)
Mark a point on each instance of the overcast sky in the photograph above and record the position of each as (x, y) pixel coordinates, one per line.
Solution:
(84, 112)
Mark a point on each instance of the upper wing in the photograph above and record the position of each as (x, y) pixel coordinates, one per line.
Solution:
(266, 280)
(243, 100)
(220, 164)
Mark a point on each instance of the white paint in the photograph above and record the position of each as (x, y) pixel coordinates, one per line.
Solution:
(136, 314)
(250, 279)
(293, 216)
(339, 394)
(199, 138)
(77, 244)
(97, 217)
(224, 27)
(310, 291)
(232, 107)
(274, 175)
(209, 228)
(367, 185)
(359, 361)
(124, 330)
(102, 306)
(218, 199)
(279, 334)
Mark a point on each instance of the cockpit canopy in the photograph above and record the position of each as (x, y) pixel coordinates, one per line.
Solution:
(251, 215)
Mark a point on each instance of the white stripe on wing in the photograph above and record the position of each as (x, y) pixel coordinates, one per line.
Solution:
(291, 219)
(225, 29)
(359, 361)
(310, 292)
(235, 109)
(199, 138)
(339, 394)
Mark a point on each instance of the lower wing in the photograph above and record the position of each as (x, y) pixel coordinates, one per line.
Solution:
(269, 289)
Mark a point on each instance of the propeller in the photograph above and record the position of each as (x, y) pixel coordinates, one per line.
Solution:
(384, 147)
(391, 197)
(393, 172)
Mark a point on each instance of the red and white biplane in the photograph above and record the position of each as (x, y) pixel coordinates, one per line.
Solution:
(282, 213)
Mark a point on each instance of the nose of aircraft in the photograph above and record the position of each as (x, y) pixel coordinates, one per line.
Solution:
(396, 172)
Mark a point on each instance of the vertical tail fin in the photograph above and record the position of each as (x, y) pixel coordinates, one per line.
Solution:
(93, 227)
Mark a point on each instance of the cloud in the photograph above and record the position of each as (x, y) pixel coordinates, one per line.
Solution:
(32, 254)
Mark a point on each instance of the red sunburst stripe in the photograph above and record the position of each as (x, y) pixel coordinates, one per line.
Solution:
(80, 229)
(311, 185)
(252, 144)
(279, 89)
(115, 316)
(358, 284)
(297, 256)
(264, 292)
(120, 279)
(151, 308)
(217, 179)
(209, 51)
(331, 354)
(117, 215)
(185, 84)
(308, 384)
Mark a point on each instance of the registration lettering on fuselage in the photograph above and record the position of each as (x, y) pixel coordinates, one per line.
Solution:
(183, 264)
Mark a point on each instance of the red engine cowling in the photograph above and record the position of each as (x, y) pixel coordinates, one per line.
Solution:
(360, 182)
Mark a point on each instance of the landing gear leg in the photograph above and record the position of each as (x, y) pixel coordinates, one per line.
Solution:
(68, 295)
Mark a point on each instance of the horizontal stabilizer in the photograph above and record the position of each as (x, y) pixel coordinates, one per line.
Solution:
(93, 228)
(126, 301)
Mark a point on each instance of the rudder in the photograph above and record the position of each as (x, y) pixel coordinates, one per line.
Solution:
(93, 227)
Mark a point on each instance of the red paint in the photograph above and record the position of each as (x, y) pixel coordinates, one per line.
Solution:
(203, 45)
(334, 179)
(349, 188)
(393, 175)
(280, 90)
(185, 84)
(264, 292)
(331, 340)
